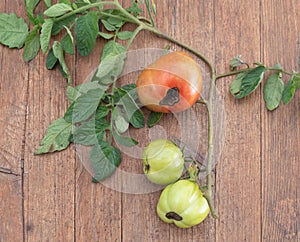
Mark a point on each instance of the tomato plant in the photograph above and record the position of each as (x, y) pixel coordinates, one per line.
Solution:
(183, 204)
(163, 162)
(171, 84)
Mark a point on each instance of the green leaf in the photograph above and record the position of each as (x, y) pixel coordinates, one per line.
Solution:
(296, 80)
(273, 89)
(30, 6)
(251, 81)
(32, 45)
(86, 104)
(112, 63)
(51, 60)
(56, 138)
(46, 34)
(235, 85)
(59, 54)
(288, 91)
(154, 118)
(87, 133)
(235, 62)
(67, 42)
(13, 30)
(59, 25)
(278, 67)
(86, 30)
(68, 2)
(105, 159)
(48, 3)
(106, 35)
(125, 35)
(108, 26)
(123, 140)
(121, 124)
(133, 112)
(57, 10)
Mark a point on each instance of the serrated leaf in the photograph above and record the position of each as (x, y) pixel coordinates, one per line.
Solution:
(251, 81)
(121, 124)
(288, 91)
(67, 42)
(273, 89)
(87, 133)
(51, 60)
(57, 10)
(235, 85)
(112, 63)
(132, 110)
(56, 138)
(30, 6)
(154, 118)
(58, 52)
(106, 35)
(125, 35)
(32, 45)
(105, 159)
(124, 140)
(86, 104)
(46, 34)
(108, 26)
(86, 30)
(48, 3)
(13, 30)
(296, 80)
(59, 25)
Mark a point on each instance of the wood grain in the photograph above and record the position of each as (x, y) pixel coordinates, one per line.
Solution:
(280, 129)
(257, 186)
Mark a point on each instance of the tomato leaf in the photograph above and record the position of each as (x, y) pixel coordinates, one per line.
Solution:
(105, 159)
(288, 91)
(296, 80)
(132, 110)
(56, 138)
(59, 25)
(86, 30)
(123, 140)
(57, 10)
(112, 63)
(106, 35)
(48, 3)
(51, 60)
(13, 30)
(125, 35)
(67, 42)
(46, 34)
(273, 89)
(251, 81)
(32, 45)
(235, 85)
(86, 104)
(120, 123)
(58, 52)
(154, 118)
(30, 6)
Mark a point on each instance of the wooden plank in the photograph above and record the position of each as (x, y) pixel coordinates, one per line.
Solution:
(13, 102)
(237, 31)
(139, 210)
(280, 128)
(49, 179)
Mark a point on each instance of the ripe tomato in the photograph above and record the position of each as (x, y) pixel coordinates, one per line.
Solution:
(183, 204)
(163, 162)
(171, 84)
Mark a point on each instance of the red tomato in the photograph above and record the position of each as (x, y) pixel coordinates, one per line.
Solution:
(171, 84)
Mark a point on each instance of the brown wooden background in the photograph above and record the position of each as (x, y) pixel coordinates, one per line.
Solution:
(257, 182)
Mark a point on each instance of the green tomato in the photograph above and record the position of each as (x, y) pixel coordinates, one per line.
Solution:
(183, 204)
(163, 162)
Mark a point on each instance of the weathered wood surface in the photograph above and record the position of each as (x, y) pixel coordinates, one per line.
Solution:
(257, 180)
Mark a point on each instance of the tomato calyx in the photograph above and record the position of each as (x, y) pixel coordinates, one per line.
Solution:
(173, 215)
(172, 97)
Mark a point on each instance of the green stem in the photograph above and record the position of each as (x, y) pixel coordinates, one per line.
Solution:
(135, 33)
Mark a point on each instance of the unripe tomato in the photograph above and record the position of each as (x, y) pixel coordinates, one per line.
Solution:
(183, 204)
(163, 162)
(171, 84)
